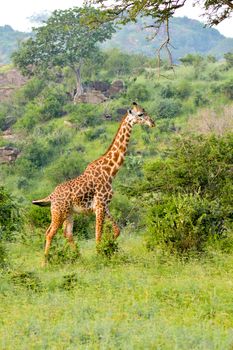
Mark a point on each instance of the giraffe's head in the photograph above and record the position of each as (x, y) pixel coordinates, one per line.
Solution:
(138, 115)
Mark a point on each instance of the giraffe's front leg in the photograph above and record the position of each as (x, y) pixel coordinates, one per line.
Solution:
(100, 214)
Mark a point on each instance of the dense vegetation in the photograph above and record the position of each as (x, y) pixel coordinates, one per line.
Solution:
(169, 275)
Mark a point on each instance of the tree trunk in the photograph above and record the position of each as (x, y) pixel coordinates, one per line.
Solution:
(79, 87)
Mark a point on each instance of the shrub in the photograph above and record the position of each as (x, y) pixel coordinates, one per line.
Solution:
(10, 219)
(138, 92)
(94, 134)
(3, 256)
(108, 245)
(168, 91)
(68, 166)
(227, 88)
(167, 108)
(53, 102)
(84, 114)
(200, 98)
(185, 223)
(183, 89)
(30, 90)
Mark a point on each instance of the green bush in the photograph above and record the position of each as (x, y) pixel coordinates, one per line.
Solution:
(39, 216)
(3, 256)
(94, 134)
(167, 108)
(138, 92)
(185, 223)
(84, 114)
(10, 219)
(30, 90)
(227, 88)
(189, 192)
(68, 166)
(168, 91)
(54, 98)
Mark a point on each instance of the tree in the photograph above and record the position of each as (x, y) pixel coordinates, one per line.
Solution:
(127, 10)
(63, 40)
(229, 59)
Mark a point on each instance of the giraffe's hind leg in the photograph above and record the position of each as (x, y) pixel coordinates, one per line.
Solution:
(68, 230)
(56, 222)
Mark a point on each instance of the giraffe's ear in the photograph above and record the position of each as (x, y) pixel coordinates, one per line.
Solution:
(134, 104)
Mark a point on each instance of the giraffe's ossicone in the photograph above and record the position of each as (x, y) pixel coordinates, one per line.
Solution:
(92, 191)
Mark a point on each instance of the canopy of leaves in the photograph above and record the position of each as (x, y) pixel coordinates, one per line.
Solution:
(64, 40)
(127, 10)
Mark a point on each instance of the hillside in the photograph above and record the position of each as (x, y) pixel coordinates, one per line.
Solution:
(9, 42)
(187, 36)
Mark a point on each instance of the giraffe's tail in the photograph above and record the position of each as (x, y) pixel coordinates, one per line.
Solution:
(42, 202)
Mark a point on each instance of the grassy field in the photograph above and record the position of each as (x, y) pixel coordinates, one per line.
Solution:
(135, 300)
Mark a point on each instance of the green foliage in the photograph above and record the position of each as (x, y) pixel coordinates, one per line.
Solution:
(28, 280)
(229, 59)
(84, 226)
(108, 245)
(61, 253)
(38, 216)
(84, 114)
(138, 92)
(9, 216)
(191, 59)
(167, 108)
(3, 256)
(52, 103)
(190, 193)
(194, 164)
(30, 90)
(227, 88)
(185, 223)
(68, 166)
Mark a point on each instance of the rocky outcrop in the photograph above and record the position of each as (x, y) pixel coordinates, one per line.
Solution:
(116, 87)
(91, 96)
(99, 91)
(8, 154)
(9, 81)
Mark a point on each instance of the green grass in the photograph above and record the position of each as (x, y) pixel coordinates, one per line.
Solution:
(135, 300)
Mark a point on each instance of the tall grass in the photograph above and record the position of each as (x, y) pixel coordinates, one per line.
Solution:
(133, 300)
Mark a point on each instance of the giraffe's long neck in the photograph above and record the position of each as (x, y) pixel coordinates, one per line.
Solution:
(115, 155)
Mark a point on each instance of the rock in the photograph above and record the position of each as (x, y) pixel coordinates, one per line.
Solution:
(91, 96)
(9, 120)
(116, 87)
(9, 81)
(70, 124)
(99, 91)
(8, 154)
(102, 86)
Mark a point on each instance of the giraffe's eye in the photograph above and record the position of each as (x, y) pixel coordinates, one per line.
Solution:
(140, 114)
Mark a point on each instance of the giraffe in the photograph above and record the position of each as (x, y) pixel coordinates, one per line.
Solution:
(92, 190)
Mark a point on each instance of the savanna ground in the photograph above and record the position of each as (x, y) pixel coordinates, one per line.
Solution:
(134, 300)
